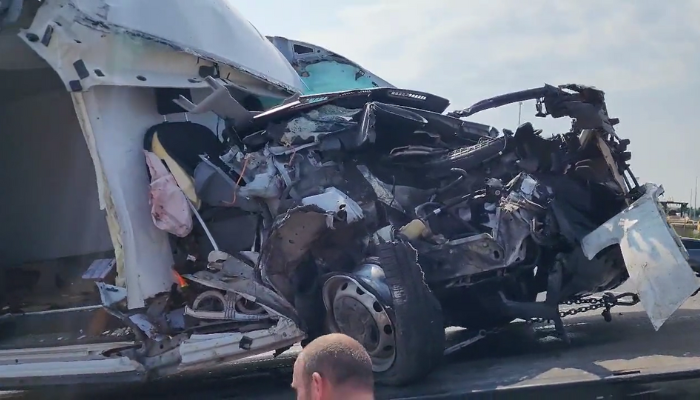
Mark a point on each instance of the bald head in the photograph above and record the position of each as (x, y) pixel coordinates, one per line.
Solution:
(340, 359)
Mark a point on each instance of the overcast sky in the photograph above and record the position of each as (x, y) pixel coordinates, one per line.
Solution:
(643, 53)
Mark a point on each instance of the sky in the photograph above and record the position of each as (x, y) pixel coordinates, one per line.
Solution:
(645, 55)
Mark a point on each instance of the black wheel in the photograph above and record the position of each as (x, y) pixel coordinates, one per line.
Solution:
(388, 308)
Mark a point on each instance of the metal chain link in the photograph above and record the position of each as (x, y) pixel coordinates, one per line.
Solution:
(607, 301)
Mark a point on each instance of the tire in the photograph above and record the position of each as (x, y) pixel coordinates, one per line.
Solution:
(416, 315)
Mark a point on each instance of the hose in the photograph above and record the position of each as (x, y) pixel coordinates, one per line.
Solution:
(419, 209)
(462, 175)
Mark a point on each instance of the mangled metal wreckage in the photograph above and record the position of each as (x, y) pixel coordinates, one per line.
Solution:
(374, 214)
(370, 211)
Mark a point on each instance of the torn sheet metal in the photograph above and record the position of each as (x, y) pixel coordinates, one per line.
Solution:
(211, 29)
(215, 348)
(99, 269)
(654, 255)
(160, 43)
(220, 102)
(383, 191)
(337, 203)
(151, 330)
(318, 122)
(110, 294)
(292, 236)
(235, 268)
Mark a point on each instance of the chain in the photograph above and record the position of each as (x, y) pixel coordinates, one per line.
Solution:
(590, 305)
(607, 301)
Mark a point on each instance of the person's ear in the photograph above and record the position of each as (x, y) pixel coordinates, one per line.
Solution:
(316, 385)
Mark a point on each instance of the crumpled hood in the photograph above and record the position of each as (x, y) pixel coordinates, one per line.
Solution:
(212, 28)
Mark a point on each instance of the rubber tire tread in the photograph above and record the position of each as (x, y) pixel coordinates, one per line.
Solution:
(417, 316)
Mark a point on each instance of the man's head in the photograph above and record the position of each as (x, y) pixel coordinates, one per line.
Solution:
(333, 366)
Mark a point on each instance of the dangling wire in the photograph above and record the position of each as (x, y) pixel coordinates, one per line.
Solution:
(240, 178)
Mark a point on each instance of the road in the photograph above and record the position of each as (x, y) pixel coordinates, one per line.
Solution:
(522, 356)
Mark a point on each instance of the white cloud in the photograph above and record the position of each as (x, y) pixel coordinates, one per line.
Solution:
(489, 45)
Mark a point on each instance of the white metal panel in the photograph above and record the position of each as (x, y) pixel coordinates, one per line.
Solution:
(31, 375)
(114, 120)
(209, 27)
(83, 352)
(88, 50)
(219, 347)
(654, 255)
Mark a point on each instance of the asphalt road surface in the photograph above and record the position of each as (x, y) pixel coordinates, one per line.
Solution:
(521, 357)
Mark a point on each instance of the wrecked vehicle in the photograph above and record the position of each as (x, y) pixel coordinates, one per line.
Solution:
(84, 271)
(373, 213)
(243, 217)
